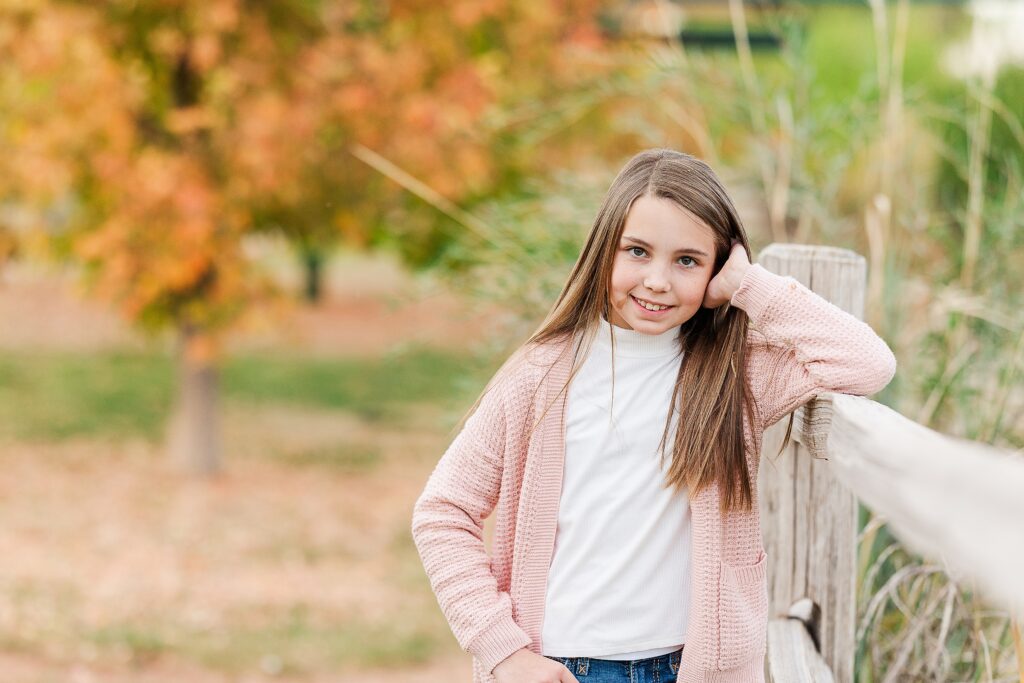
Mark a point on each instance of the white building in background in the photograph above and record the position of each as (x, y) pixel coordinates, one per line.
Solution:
(996, 40)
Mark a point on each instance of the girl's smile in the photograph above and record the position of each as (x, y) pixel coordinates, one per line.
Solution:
(662, 267)
(650, 306)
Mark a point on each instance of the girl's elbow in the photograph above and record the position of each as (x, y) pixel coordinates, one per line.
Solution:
(863, 374)
(883, 365)
(422, 519)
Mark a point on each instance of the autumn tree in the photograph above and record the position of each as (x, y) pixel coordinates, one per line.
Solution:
(156, 119)
(170, 130)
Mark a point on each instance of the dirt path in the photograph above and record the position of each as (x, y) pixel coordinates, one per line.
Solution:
(116, 568)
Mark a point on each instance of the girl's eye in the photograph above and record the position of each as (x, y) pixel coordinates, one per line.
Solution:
(636, 251)
(687, 261)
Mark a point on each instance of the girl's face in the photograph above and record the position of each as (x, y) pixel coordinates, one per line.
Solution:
(665, 260)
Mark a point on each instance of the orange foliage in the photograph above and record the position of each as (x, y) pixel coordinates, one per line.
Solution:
(183, 124)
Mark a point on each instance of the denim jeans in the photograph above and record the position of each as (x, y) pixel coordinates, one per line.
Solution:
(661, 669)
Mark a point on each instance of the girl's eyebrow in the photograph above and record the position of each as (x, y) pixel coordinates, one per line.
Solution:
(684, 250)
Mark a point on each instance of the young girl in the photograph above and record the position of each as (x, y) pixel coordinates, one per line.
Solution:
(620, 448)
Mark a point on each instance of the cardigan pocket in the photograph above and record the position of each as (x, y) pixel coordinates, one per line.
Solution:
(744, 612)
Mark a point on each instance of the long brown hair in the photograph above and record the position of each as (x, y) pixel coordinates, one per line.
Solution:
(711, 389)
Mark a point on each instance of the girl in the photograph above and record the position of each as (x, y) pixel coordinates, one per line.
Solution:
(620, 447)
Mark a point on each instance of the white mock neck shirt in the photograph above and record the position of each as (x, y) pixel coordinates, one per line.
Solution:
(618, 585)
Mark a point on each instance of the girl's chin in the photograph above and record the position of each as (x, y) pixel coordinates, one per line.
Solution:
(651, 327)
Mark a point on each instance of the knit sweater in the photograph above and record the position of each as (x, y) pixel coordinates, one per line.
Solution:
(508, 460)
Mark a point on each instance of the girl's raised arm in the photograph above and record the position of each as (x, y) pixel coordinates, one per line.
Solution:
(802, 345)
(447, 526)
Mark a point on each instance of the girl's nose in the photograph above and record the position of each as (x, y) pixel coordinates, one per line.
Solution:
(656, 282)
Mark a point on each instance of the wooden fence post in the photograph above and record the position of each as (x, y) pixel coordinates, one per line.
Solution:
(809, 520)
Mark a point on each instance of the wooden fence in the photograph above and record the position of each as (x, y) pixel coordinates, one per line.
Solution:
(957, 501)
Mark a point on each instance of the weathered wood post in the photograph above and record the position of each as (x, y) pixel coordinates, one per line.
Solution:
(809, 520)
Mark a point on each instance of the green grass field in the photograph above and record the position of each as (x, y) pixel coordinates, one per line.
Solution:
(56, 396)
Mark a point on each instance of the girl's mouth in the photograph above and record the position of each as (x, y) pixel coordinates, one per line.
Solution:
(655, 309)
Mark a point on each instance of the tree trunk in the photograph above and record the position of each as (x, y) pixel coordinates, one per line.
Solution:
(195, 439)
(313, 260)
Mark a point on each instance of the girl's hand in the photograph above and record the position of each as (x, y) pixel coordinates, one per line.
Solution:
(724, 285)
(523, 666)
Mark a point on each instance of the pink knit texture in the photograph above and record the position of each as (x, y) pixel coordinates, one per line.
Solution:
(799, 346)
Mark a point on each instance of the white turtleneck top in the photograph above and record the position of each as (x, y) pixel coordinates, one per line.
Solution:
(618, 586)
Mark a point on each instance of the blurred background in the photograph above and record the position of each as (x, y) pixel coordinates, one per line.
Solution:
(257, 258)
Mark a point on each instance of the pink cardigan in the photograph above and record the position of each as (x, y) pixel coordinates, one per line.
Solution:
(799, 345)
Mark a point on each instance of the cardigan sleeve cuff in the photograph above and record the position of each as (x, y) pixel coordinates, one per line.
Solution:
(499, 641)
(757, 288)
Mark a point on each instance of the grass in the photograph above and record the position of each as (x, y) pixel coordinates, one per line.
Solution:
(298, 641)
(293, 640)
(841, 47)
(347, 458)
(137, 643)
(57, 396)
(373, 389)
(290, 641)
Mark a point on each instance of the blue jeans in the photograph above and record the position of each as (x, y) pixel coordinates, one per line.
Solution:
(661, 669)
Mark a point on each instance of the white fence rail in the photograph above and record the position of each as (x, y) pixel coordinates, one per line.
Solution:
(953, 500)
